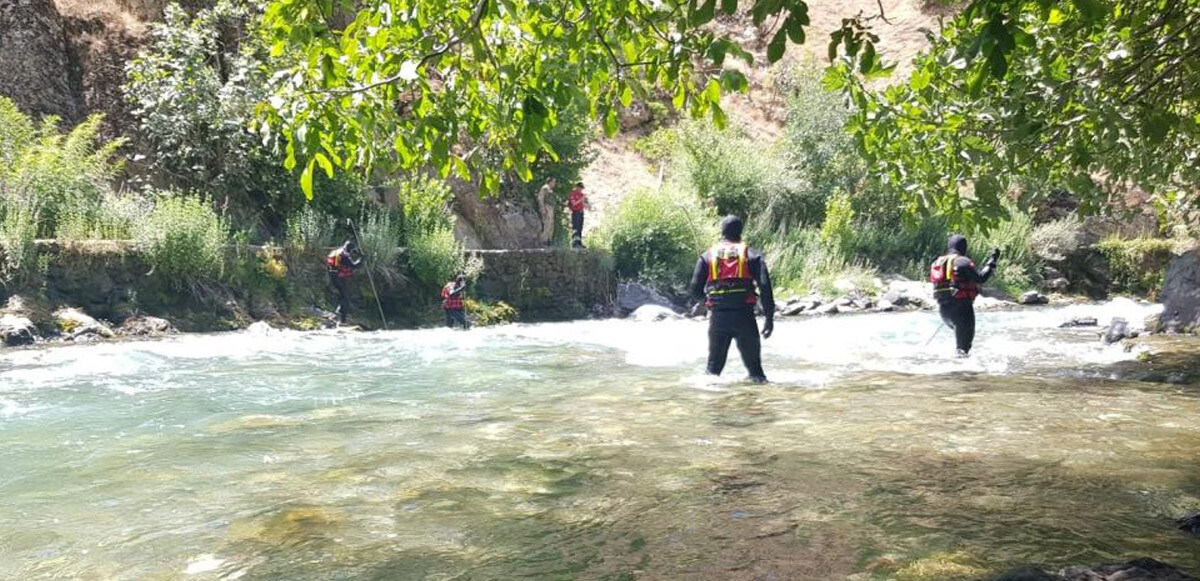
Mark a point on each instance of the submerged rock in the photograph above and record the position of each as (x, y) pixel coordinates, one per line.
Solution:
(76, 324)
(1135, 570)
(1117, 330)
(16, 330)
(1080, 322)
(1190, 523)
(652, 313)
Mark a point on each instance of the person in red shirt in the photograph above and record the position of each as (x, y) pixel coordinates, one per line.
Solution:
(577, 202)
(452, 302)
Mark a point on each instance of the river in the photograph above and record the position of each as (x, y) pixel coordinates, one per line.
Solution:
(593, 450)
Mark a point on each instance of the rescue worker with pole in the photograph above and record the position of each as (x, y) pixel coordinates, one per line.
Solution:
(956, 283)
(452, 302)
(341, 263)
(726, 277)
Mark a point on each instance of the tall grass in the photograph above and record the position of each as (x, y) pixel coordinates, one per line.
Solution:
(656, 235)
(184, 239)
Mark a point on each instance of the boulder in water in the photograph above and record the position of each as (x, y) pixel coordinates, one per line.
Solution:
(793, 308)
(631, 295)
(829, 309)
(145, 326)
(1080, 322)
(1181, 295)
(884, 306)
(17, 330)
(1190, 523)
(1033, 298)
(652, 313)
(1057, 285)
(76, 324)
(1115, 331)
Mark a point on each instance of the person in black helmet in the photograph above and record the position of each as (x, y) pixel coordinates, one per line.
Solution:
(956, 283)
(341, 263)
(726, 277)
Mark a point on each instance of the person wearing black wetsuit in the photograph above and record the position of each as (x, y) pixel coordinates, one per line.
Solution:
(726, 277)
(956, 284)
(341, 264)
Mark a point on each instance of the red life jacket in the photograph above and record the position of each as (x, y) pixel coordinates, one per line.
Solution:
(577, 201)
(729, 277)
(336, 263)
(451, 302)
(941, 274)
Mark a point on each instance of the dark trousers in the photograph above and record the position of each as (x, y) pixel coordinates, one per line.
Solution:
(456, 317)
(734, 324)
(341, 285)
(577, 228)
(959, 314)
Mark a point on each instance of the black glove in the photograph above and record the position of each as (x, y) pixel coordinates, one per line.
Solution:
(995, 254)
(768, 328)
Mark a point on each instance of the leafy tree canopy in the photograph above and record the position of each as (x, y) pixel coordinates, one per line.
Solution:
(1094, 96)
(439, 82)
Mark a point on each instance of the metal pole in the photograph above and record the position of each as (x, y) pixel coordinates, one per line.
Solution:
(370, 278)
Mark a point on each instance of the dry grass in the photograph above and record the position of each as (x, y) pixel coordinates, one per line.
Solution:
(129, 16)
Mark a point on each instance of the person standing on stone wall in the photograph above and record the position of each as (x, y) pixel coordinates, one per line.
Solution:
(545, 200)
(577, 202)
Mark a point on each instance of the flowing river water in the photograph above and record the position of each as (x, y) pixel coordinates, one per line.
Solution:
(593, 450)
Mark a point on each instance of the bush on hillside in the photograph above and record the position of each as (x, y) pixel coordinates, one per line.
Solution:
(656, 235)
(309, 230)
(378, 234)
(1138, 265)
(184, 240)
(436, 257)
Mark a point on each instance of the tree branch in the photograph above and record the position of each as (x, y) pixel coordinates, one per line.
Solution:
(454, 41)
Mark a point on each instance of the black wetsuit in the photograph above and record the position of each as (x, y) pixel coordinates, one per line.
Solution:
(959, 313)
(733, 320)
(342, 285)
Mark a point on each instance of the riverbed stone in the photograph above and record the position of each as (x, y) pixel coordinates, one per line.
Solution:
(793, 308)
(1080, 322)
(1116, 330)
(1033, 298)
(828, 309)
(1190, 523)
(884, 306)
(16, 330)
(653, 313)
(1057, 285)
(631, 295)
(76, 324)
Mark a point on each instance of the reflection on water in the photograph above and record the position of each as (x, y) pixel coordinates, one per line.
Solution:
(592, 450)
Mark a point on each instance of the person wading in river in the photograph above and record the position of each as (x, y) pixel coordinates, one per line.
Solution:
(452, 302)
(341, 263)
(955, 286)
(725, 277)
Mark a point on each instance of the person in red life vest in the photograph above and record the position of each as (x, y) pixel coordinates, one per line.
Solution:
(452, 302)
(577, 202)
(341, 263)
(726, 277)
(955, 285)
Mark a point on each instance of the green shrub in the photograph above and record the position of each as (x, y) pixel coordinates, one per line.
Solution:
(18, 230)
(185, 240)
(837, 230)
(800, 261)
(1019, 267)
(63, 174)
(425, 203)
(656, 235)
(378, 236)
(1138, 265)
(112, 217)
(436, 257)
(309, 230)
(486, 314)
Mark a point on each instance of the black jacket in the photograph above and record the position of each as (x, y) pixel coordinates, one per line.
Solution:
(758, 270)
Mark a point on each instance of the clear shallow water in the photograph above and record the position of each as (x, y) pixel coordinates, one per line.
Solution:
(591, 450)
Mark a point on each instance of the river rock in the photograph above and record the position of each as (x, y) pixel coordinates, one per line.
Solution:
(793, 308)
(1116, 330)
(828, 309)
(1057, 285)
(1080, 322)
(1190, 523)
(1181, 295)
(76, 324)
(653, 313)
(1033, 298)
(631, 295)
(17, 330)
(983, 303)
(146, 326)
(884, 306)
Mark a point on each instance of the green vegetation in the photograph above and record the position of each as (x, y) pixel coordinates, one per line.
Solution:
(184, 239)
(1138, 265)
(657, 235)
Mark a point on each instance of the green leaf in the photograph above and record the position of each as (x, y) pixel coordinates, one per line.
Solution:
(866, 63)
(835, 40)
(713, 91)
(734, 81)
(705, 13)
(920, 79)
(975, 81)
(306, 179)
(998, 64)
(1092, 10)
(324, 163)
(612, 123)
(776, 48)
(729, 6)
(795, 29)
(627, 96)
